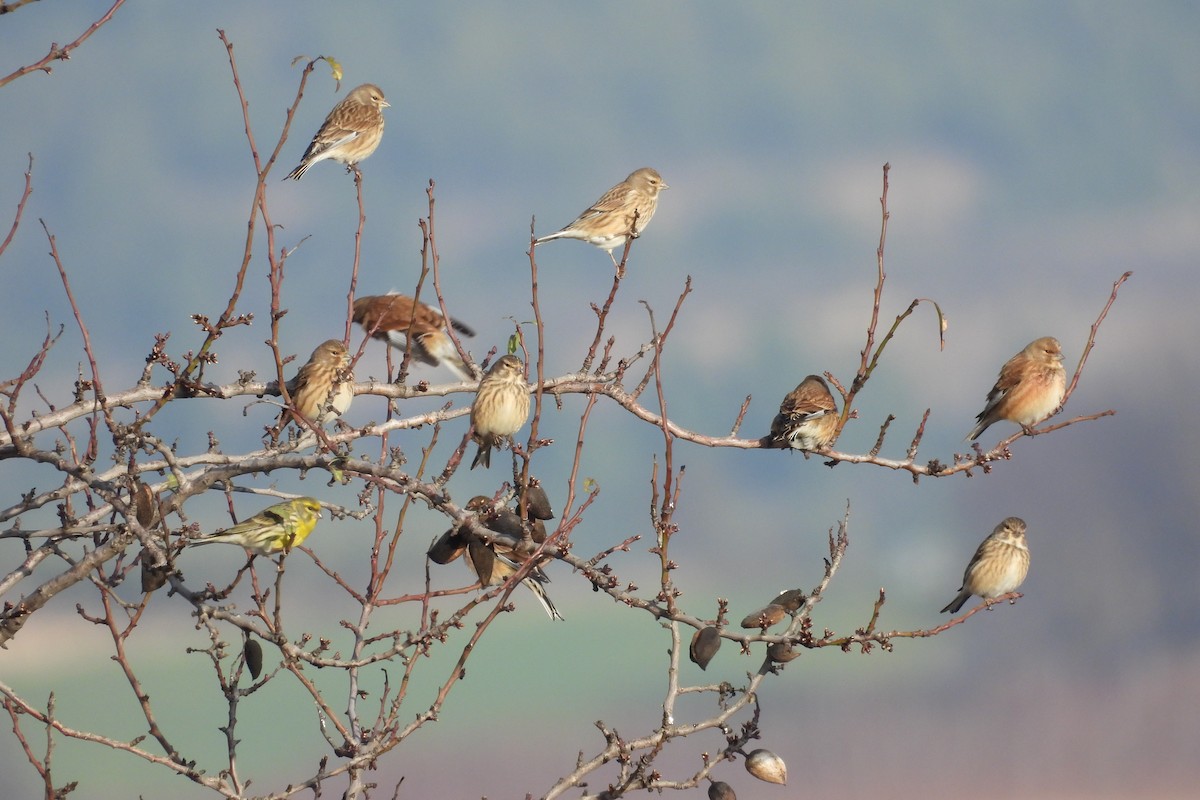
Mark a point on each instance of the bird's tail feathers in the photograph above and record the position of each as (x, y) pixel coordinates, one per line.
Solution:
(435, 348)
(543, 598)
(550, 236)
(954, 605)
(976, 432)
(484, 456)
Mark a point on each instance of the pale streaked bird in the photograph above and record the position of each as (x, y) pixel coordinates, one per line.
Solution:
(275, 529)
(501, 407)
(350, 133)
(324, 387)
(495, 562)
(608, 222)
(807, 418)
(1030, 387)
(998, 566)
(391, 317)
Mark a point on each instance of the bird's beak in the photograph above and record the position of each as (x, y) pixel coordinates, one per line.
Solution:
(384, 104)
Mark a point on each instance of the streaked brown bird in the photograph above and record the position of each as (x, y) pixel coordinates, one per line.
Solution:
(350, 133)
(1030, 387)
(393, 317)
(998, 566)
(501, 407)
(608, 222)
(495, 562)
(807, 418)
(323, 388)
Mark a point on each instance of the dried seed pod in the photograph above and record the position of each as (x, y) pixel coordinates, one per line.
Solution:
(720, 790)
(448, 547)
(253, 654)
(145, 505)
(537, 502)
(506, 521)
(766, 766)
(153, 577)
(765, 617)
(496, 518)
(791, 600)
(705, 644)
(782, 652)
(483, 561)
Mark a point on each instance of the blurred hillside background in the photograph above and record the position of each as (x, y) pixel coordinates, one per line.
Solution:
(1038, 151)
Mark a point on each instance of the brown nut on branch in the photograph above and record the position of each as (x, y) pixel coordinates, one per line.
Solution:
(720, 790)
(537, 502)
(153, 577)
(253, 654)
(145, 505)
(705, 644)
(765, 617)
(782, 652)
(448, 547)
(766, 766)
(791, 600)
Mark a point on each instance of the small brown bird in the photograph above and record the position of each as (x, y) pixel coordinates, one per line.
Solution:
(494, 563)
(323, 388)
(998, 566)
(1030, 387)
(807, 417)
(608, 221)
(501, 407)
(350, 133)
(391, 317)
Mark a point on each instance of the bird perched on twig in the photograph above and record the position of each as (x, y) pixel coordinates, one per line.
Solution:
(998, 566)
(807, 418)
(350, 133)
(275, 529)
(393, 317)
(607, 223)
(501, 407)
(1030, 387)
(323, 388)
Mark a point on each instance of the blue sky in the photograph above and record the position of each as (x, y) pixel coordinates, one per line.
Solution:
(1038, 151)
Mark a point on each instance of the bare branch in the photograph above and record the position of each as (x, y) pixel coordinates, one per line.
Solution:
(56, 53)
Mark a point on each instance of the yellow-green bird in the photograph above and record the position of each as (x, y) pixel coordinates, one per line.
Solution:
(275, 529)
